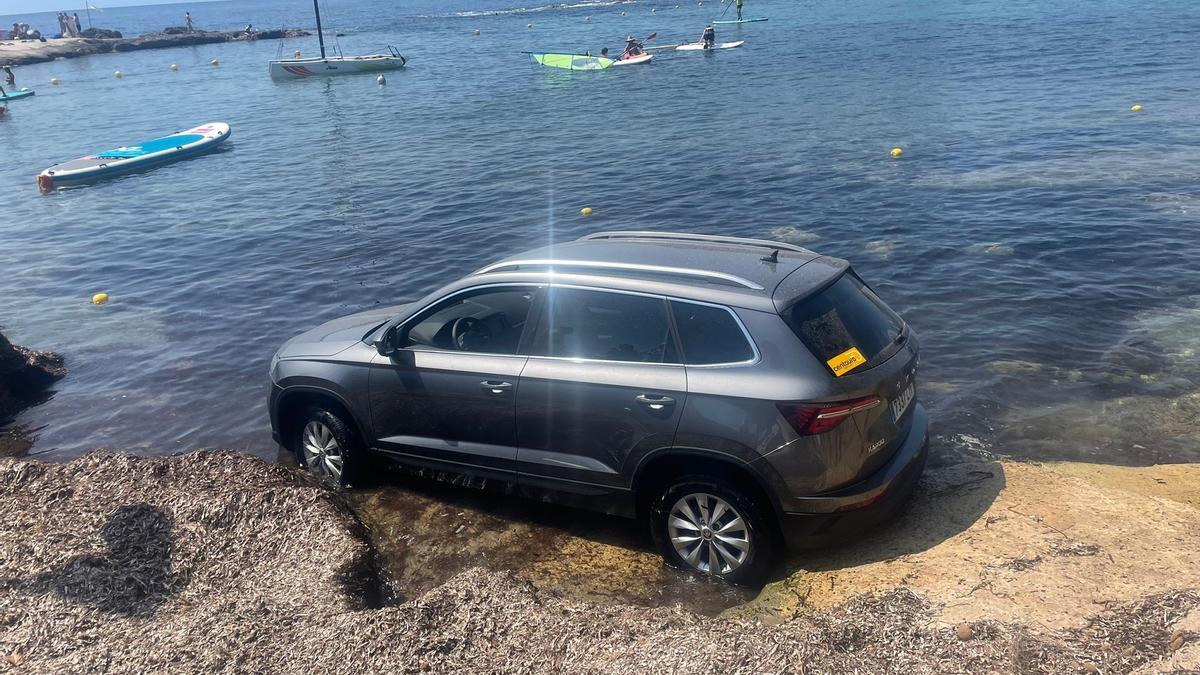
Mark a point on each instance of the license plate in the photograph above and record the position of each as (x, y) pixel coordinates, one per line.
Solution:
(900, 403)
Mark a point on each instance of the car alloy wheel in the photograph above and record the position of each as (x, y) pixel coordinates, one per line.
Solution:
(322, 454)
(708, 534)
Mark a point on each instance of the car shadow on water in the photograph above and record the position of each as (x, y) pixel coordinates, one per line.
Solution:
(426, 531)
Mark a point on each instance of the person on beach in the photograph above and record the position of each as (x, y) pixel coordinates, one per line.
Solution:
(9, 78)
(709, 37)
(187, 17)
(78, 26)
(738, 4)
(62, 26)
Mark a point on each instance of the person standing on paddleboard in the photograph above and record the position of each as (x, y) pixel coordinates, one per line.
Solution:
(738, 4)
(709, 38)
(9, 78)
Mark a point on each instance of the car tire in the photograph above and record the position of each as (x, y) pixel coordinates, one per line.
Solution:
(327, 447)
(700, 524)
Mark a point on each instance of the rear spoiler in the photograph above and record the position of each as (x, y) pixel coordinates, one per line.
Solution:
(806, 280)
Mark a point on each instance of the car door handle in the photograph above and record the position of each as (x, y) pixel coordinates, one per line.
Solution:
(655, 402)
(495, 387)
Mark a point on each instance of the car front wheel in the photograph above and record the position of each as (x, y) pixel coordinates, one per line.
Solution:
(327, 447)
(707, 525)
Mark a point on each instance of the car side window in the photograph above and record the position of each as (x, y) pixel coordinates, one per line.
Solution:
(488, 321)
(609, 326)
(709, 334)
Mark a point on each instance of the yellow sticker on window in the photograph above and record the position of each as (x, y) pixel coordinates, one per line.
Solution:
(846, 361)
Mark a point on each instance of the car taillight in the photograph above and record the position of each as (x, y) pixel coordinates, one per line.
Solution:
(809, 419)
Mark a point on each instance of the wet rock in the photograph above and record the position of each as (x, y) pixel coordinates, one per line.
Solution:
(25, 377)
(101, 33)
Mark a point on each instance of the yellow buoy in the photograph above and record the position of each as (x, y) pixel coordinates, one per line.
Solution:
(117, 74)
(296, 54)
(585, 211)
(896, 152)
(54, 81)
(99, 298)
(174, 67)
(1136, 107)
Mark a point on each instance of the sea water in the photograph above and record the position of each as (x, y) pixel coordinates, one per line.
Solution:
(1039, 235)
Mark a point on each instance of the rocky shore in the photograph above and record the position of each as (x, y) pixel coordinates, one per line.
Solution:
(20, 52)
(25, 375)
(220, 562)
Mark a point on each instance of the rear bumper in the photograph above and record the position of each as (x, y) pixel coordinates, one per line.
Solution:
(833, 517)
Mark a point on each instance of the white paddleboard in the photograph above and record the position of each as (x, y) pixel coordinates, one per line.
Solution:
(699, 46)
(176, 146)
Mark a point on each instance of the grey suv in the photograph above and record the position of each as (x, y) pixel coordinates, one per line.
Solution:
(735, 394)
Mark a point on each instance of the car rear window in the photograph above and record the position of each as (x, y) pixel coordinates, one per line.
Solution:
(846, 325)
(709, 334)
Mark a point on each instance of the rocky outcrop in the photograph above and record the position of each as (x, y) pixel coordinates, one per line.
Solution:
(25, 377)
(29, 51)
(101, 33)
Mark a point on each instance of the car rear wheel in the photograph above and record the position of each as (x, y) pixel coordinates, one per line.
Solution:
(709, 526)
(327, 448)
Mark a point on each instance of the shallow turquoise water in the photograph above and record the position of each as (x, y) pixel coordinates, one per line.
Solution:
(1039, 235)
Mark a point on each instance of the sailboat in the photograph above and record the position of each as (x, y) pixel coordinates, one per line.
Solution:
(334, 65)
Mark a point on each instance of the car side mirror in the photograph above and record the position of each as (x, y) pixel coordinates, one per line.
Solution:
(389, 342)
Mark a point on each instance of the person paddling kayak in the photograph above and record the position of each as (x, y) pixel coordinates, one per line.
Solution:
(709, 38)
(632, 48)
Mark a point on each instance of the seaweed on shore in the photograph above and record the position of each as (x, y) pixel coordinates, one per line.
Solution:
(219, 562)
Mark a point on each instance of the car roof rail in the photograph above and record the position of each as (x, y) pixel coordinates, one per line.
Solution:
(687, 236)
(661, 270)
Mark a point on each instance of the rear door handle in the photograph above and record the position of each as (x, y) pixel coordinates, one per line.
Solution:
(494, 386)
(655, 402)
